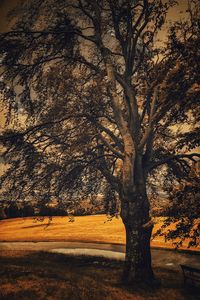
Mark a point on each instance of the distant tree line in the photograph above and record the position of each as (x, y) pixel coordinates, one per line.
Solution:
(16, 210)
(13, 210)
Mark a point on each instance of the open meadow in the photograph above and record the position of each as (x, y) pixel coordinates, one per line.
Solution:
(96, 228)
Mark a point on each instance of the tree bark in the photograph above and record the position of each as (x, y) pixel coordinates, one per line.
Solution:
(138, 226)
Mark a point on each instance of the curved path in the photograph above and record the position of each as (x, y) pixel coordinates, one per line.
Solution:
(161, 257)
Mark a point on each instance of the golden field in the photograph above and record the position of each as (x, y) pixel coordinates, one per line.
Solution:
(96, 228)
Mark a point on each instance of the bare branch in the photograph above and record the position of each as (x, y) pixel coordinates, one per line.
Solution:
(165, 160)
(110, 147)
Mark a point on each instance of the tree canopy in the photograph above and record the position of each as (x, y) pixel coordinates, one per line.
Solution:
(100, 106)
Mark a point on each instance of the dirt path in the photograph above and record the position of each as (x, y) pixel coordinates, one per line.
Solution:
(168, 258)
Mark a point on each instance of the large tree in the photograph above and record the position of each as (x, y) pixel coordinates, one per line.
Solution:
(98, 99)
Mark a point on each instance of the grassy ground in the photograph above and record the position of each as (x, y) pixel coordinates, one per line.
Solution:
(40, 275)
(85, 229)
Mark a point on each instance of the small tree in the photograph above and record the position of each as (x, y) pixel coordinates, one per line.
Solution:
(12, 210)
(28, 210)
(2, 213)
(102, 101)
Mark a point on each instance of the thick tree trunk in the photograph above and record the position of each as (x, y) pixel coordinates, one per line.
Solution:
(135, 215)
(138, 255)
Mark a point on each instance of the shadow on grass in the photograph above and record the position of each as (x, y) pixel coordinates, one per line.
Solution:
(34, 226)
(25, 294)
(41, 275)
